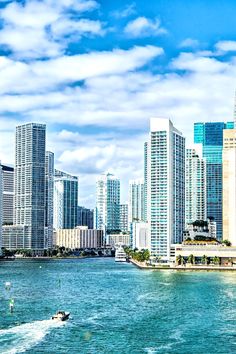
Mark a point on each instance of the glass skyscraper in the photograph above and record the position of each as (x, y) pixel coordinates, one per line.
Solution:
(136, 200)
(210, 135)
(1, 209)
(65, 200)
(107, 212)
(49, 194)
(30, 183)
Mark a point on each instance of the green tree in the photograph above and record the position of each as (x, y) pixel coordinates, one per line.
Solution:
(179, 260)
(216, 260)
(191, 259)
(204, 259)
(226, 243)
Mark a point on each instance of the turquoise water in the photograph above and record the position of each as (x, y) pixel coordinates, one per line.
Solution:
(115, 308)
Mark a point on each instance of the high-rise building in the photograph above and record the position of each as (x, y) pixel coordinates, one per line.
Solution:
(195, 186)
(124, 224)
(1, 210)
(229, 186)
(49, 197)
(107, 212)
(210, 135)
(8, 194)
(136, 200)
(145, 180)
(165, 186)
(30, 183)
(85, 217)
(65, 200)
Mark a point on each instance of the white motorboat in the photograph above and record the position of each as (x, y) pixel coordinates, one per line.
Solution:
(61, 316)
(120, 255)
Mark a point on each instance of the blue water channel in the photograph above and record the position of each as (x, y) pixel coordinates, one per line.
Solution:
(115, 308)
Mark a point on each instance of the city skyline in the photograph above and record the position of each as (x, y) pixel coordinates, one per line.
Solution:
(98, 114)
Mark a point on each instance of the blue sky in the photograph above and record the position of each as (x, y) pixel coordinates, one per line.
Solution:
(95, 71)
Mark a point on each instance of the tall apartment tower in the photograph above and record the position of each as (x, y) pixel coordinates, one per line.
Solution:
(65, 200)
(136, 200)
(195, 186)
(49, 199)
(229, 186)
(107, 212)
(1, 209)
(8, 194)
(145, 180)
(210, 135)
(30, 183)
(165, 186)
(85, 217)
(124, 224)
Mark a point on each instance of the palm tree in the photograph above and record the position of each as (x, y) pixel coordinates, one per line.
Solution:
(204, 259)
(191, 259)
(216, 260)
(179, 260)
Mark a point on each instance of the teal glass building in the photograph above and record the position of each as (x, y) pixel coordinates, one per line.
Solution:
(210, 135)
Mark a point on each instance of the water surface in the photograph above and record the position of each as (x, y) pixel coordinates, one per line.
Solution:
(115, 308)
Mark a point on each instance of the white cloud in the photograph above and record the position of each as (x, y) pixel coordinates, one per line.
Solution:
(226, 46)
(144, 27)
(189, 43)
(126, 11)
(46, 34)
(40, 76)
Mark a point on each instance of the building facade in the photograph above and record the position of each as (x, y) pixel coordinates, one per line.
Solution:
(124, 224)
(210, 136)
(1, 209)
(165, 186)
(136, 200)
(107, 211)
(139, 238)
(8, 194)
(15, 237)
(49, 199)
(30, 183)
(195, 187)
(65, 200)
(79, 238)
(85, 217)
(229, 186)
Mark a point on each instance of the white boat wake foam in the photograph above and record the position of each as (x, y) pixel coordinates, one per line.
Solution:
(21, 338)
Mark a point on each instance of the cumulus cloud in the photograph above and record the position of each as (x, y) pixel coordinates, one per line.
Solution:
(46, 34)
(144, 27)
(226, 46)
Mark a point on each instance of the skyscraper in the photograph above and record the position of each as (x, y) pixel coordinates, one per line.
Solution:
(210, 135)
(124, 225)
(107, 212)
(165, 186)
(195, 186)
(8, 194)
(30, 183)
(49, 195)
(85, 217)
(1, 183)
(145, 180)
(229, 186)
(136, 200)
(65, 200)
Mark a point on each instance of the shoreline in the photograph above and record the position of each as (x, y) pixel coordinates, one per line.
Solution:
(182, 268)
(49, 258)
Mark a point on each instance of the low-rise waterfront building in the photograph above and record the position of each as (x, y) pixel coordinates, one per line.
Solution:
(79, 238)
(15, 237)
(210, 251)
(115, 239)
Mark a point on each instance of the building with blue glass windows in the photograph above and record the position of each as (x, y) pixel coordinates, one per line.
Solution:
(210, 136)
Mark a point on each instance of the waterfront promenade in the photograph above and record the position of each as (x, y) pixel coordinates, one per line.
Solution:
(187, 267)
